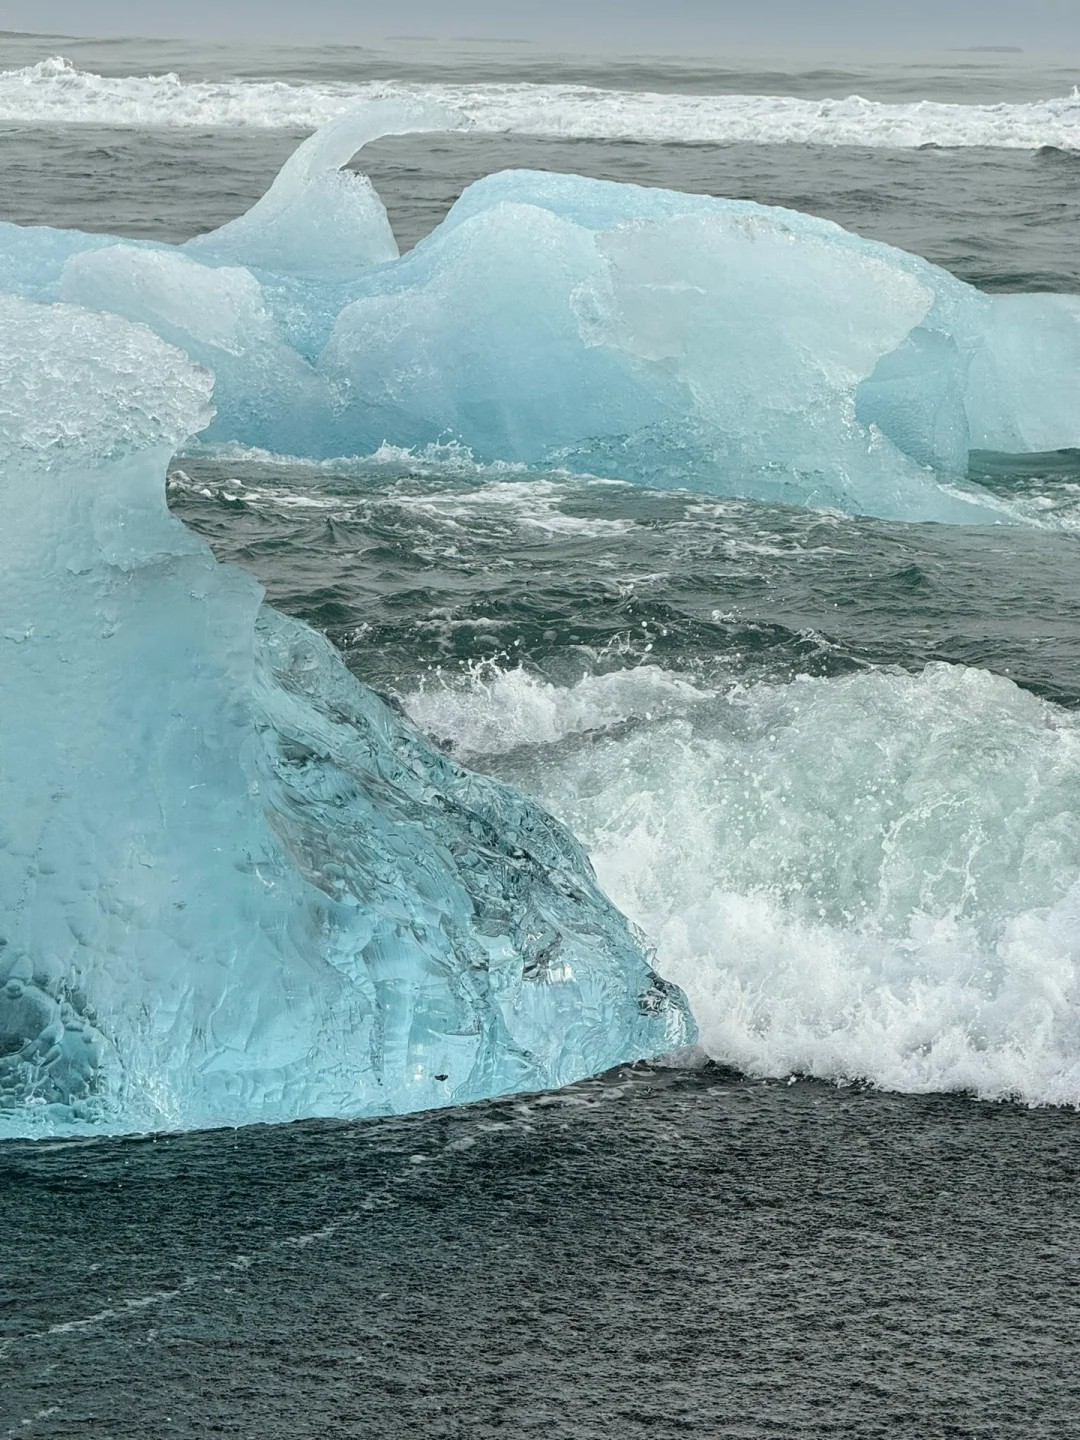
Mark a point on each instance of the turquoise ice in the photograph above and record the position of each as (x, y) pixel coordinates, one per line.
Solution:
(552, 320)
(234, 886)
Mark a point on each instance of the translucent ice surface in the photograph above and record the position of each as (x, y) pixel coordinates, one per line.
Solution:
(552, 320)
(318, 219)
(234, 886)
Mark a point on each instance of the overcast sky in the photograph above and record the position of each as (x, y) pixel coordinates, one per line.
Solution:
(774, 25)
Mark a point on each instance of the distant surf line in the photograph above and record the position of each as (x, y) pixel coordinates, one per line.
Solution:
(55, 92)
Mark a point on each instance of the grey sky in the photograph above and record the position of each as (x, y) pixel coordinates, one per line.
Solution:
(773, 25)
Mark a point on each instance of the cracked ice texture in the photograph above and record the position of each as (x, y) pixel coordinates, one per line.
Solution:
(234, 886)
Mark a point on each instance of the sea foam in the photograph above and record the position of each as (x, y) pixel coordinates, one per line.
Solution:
(55, 92)
(871, 877)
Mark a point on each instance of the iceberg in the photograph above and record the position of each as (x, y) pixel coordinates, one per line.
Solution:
(551, 320)
(235, 886)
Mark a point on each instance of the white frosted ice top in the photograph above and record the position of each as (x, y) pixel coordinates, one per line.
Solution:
(79, 383)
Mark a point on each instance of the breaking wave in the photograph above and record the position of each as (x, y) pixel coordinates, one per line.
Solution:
(55, 92)
(870, 877)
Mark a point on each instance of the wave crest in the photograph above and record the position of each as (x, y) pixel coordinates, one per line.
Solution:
(871, 877)
(55, 92)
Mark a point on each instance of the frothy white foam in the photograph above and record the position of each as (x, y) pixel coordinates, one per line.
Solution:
(872, 877)
(528, 504)
(492, 711)
(478, 495)
(55, 92)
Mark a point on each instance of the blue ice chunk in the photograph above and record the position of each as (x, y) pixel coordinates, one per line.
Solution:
(592, 204)
(669, 339)
(1024, 389)
(676, 340)
(259, 329)
(234, 885)
(32, 257)
(917, 396)
(478, 336)
(266, 393)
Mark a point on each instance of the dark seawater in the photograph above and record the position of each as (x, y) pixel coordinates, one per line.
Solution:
(657, 1253)
(415, 568)
(647, 1255)
(944, 204)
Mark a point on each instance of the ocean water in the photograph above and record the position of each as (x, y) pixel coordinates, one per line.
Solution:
(829, 766)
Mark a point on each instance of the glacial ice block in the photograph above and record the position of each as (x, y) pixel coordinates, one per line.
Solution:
(552, 320)
(235, 886)
(665, 338)
(1025, 384)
